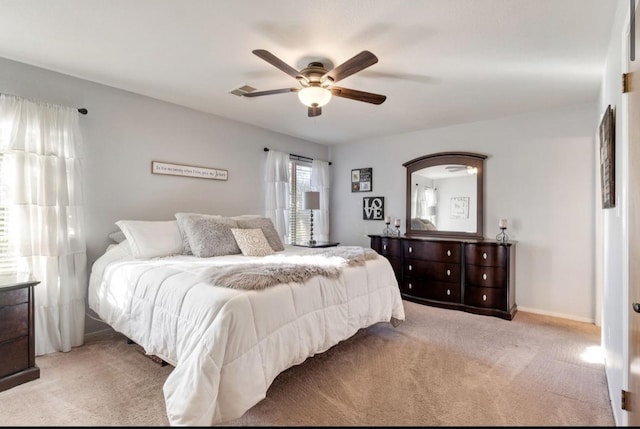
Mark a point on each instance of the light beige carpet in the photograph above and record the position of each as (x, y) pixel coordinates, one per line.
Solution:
(440, 367)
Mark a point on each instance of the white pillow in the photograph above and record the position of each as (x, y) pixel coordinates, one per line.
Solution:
(150, 239)
(252, 242)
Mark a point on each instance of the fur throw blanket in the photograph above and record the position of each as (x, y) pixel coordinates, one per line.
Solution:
(278, 268)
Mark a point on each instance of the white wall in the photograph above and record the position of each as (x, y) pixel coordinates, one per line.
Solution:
(611, 244)
(124, 132)
(539, 175)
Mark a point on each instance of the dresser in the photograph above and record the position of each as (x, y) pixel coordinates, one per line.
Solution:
(477, 276)
(17, 341)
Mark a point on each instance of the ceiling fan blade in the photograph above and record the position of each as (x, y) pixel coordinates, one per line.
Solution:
(278, 63)
(314, 111)
(352, 94)
(270, 92)
(359, 62)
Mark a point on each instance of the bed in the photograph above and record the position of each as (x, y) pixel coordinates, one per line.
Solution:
(228, 344)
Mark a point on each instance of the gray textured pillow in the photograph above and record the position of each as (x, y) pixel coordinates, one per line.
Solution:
(266, 225)
(210, 236)
(182, 217)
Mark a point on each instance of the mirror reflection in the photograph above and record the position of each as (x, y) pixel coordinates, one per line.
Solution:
(444, 198)
(445, 195)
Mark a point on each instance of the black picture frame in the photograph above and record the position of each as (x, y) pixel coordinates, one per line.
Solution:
(362, 180)
(373, 208)
(607, 159)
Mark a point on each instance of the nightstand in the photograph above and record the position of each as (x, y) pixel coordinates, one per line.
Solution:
(17, 341)
(317, 244)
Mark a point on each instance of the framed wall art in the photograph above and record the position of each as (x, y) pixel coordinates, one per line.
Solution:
(158, 167)
(607, 159)
(362, 180)
(373, 208)
(460, 208)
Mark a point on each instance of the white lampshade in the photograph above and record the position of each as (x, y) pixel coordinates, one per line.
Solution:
(311, 201)
(314, 96)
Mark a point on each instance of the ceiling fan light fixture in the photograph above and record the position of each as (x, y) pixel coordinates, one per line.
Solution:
(314, 96)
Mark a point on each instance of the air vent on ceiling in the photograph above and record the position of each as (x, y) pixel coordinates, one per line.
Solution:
(242, 90)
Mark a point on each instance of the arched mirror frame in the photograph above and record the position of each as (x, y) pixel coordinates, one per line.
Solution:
(475, 160)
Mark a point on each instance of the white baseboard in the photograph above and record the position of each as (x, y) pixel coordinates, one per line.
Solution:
(560, 315)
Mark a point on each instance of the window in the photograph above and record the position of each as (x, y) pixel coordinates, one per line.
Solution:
(300, 182)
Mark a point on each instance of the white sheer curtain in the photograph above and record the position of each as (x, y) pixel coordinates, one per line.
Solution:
(320, 181)
(277, 192)
(40, 187)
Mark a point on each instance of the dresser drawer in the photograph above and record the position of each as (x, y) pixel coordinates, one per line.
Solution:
(440, 271)
(17, 296)
(483, 276)
(430, 289)
(387, 246)
(14, 356)
(14, 321)
(485, 297)
(490, 255)
(433, 251)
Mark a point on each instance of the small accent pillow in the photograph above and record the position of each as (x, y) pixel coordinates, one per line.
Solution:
(252, 242)
(150, 239)
(269, 231)
(182, 218)
(210, 236)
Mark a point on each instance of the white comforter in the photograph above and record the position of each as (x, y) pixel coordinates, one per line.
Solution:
(228, 345)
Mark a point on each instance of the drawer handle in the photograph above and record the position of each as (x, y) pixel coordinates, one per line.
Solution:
(484, 255)
(484, 297)
(448, 291)
(384, 247)
(410, 249)
(484, 277)
(410, 286)
(448, 252)
(448, 272)
(410, 267)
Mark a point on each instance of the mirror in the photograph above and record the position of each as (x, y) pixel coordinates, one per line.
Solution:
(445, 195)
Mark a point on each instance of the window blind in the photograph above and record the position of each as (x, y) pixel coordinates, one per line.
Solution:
(300, 177)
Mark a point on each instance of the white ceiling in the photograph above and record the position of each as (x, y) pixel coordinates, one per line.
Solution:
(441, 62)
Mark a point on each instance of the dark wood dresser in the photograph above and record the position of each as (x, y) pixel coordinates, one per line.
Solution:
(477, 276)
(17, 341)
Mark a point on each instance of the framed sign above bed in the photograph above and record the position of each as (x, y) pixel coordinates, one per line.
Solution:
(158, 167)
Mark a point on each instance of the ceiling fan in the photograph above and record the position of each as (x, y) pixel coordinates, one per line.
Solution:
(317, 83)
(469, 169)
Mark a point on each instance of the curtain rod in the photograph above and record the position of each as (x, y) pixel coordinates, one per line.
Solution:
(266, 149)
(81, 110)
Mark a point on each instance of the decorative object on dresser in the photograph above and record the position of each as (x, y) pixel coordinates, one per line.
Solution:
(387, 231)
(311, 202)
(502, 237)
(17, 341)
(477, 276)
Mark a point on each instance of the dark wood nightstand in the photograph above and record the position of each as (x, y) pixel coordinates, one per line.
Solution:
(17, 341)
(317, 244)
